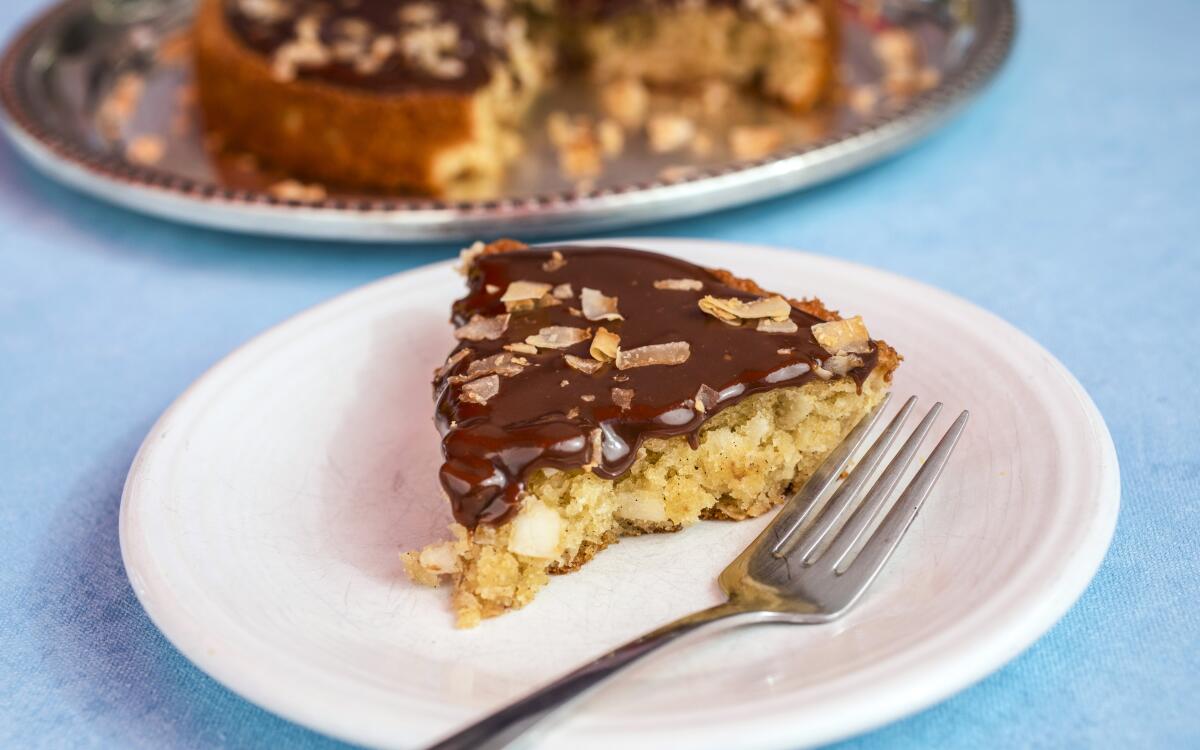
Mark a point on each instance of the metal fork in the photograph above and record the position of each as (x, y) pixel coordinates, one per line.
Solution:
(808, 566)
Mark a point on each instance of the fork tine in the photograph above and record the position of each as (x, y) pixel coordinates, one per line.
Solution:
(800, 507)
(878, 496)
(863, 569)
(844, 498)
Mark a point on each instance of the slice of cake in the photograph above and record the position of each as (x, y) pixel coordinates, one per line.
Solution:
(599, 391)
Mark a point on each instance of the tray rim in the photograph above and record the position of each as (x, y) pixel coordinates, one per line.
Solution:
(161, 193)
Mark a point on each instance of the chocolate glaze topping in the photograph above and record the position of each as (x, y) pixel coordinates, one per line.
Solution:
(542, 416)
(448, 45)
(440, 45)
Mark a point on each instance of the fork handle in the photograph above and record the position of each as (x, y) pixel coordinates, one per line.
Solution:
(512, 721)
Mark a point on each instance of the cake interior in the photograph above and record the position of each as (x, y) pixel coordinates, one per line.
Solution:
(749, 458)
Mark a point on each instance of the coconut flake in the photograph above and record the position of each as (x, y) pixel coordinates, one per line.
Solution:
(733, 311)
(706, 399)
(674, 353)
(596, 440)
(467, 256)
(451, 361)
(504, 364)
(680, 285)
(556, 262)
(766, 325)
(605, 345)
(558, 337)
(596, 306)
(480, 328)
(840, 364)
(847, 336)
(589, 366)
(562, 291)
(521, 348)
(523, 295)
(623, 398)
(479, 391)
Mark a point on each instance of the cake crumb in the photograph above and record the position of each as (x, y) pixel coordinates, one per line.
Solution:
(669, 132)
(146, 150)
(294, 190)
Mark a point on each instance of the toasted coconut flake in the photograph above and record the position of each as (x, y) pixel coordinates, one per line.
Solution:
(467, 256)
(847, 336)
(596, 306)
(300, 192)
(754, 141)
(840, 364)
(583, 364)
(767, 325)
(596, 439)
(572, 413)
(680, 285)
(784, 351)
(669, 132)
(674, 353)
(733, 311)
(563, 383)
(558, 337)
(605, 345)
(575, 311)
(562, 291)
(523, 295)
(504, 364)
(587, 397)
(821, 372)
(706, 398)
(146, 149)
(479, 391)
(451, 361)
(491, 288)
(556, 262)
(549, 300)
(623, 398)
(480, 328)
(521, 348)
(626, 100)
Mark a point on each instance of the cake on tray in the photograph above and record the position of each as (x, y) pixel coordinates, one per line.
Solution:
(429, 96)
(598, 392)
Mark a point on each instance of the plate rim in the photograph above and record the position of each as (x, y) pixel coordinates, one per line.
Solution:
(989, 652)
(157, 192)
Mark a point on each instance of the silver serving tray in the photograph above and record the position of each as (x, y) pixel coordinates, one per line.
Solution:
(58, 73)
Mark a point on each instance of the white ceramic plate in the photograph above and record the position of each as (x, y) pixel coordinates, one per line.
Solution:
(262, 518)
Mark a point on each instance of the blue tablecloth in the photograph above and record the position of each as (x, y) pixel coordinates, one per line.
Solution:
(1067, 200)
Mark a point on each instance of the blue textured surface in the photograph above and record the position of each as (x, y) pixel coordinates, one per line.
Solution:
(1067, 200)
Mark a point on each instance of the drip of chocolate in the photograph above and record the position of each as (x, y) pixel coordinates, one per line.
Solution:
(549, 414)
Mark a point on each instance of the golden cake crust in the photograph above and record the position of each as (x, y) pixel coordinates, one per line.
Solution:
(335, 135)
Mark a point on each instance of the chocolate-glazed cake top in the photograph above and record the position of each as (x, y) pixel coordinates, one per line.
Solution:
(526, 388)
(393, 46)
(381, 45)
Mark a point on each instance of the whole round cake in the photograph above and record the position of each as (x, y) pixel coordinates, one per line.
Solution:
(428, 96)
